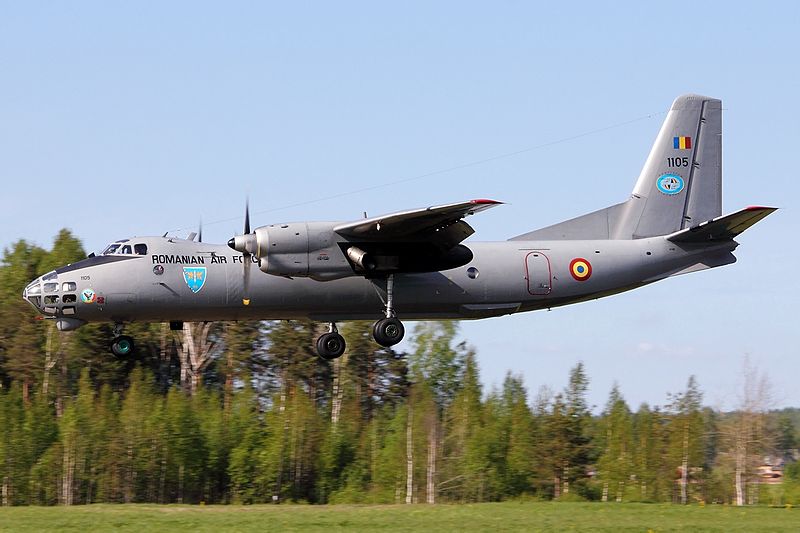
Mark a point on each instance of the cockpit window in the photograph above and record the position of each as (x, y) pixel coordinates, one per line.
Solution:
(50, 287)
(119, 248)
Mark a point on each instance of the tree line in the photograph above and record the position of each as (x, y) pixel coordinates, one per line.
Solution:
(245, 413)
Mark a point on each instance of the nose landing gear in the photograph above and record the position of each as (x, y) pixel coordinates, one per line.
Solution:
(122, 345)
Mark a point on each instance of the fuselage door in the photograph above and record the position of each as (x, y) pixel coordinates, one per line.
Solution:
(537, 272)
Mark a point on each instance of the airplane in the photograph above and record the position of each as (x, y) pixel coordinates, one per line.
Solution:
(414, 264)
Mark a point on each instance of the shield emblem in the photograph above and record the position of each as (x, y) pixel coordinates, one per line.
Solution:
(195, 277)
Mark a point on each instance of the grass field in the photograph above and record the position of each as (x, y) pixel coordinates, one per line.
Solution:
(510, 516)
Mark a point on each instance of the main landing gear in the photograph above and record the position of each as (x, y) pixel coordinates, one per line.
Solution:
(331, 345)
(387, 331)
(122, 345)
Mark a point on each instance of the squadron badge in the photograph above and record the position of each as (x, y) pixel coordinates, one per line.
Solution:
(195, 277)
(88, 296)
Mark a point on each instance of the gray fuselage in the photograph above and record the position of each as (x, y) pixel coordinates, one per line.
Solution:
(182, 280)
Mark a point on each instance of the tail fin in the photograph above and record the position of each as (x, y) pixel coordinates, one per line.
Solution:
(680, 184)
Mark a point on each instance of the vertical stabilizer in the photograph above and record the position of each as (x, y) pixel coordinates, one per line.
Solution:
(681, 182)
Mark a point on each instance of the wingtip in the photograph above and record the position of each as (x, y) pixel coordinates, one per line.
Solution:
(485, 201)
(760, 208)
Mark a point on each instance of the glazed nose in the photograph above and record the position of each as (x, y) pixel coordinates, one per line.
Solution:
(33, 294)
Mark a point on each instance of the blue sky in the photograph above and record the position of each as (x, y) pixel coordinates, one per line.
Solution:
(138, 118)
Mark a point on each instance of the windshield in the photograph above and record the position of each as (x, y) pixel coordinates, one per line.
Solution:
(124, 247)
(111, 248)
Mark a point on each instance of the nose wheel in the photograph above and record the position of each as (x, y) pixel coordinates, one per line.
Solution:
(330, 345)
(122, 346)
(388, 331)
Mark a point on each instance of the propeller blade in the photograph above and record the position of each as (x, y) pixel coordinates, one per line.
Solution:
(246, 280)
(200, 231)
(246, 256)
(247, 216)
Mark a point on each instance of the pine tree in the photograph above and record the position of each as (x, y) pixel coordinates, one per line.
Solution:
(685, 436)
(464, 460)
(520, 453)
(615, 464)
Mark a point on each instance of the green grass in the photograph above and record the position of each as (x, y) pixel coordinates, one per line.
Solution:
(509, 516)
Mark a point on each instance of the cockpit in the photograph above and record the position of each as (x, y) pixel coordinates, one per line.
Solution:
(124, 247)
(56, 293)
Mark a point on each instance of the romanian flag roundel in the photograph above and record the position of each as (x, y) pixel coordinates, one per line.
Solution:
(580, 269)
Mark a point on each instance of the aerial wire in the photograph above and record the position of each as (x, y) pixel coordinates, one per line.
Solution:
(443, 170)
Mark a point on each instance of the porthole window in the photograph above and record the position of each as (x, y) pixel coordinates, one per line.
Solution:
(472, 273)
(69, 286)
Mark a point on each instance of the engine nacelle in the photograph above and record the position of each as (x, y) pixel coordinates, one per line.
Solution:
(305, 249)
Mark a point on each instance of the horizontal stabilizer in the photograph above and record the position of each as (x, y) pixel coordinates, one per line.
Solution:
(722, 228)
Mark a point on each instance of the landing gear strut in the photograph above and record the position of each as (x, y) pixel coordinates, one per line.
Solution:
(330, 345)
(388, 331)
(122, 345)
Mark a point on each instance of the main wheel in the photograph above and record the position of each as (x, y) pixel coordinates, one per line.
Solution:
(122, 346)
(388, 331)
(330, 346)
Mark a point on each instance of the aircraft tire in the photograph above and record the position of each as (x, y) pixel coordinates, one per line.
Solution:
(388, 331)
(330, 346)
(122, 346)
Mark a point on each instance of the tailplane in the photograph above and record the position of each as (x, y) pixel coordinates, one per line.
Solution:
(679, 187)
(723, 228)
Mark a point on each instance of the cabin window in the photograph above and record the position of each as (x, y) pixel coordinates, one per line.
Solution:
(126, 250)
(51, 287)
(51, 300)
(111, 249)
(140, 249)
(69, 299)
(68, 286)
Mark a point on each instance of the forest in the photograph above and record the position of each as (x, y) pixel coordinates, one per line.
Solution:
(246, 413)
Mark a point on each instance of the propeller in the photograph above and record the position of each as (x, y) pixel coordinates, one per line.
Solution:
(200, 231)
(246, 244)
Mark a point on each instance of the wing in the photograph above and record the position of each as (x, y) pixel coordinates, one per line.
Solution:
(441, 225)
(722, 228)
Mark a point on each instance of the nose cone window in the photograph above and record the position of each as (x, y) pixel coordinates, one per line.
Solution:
(69, 286)
(51, 287)
(33, 289)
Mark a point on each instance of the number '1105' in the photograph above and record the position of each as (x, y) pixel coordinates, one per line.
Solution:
(678, 161)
